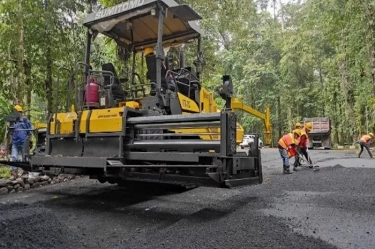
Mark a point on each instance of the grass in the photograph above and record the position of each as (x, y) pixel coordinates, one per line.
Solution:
(4, 172)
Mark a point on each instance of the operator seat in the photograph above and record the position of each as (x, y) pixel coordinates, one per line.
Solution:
(117, 92)
(151, 75)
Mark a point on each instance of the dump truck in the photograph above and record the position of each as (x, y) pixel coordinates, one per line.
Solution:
(320, 135)
(166, 128)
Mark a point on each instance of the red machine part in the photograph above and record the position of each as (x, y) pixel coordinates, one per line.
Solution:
(92, 91)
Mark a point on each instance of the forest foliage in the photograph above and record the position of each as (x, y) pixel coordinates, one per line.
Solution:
(304, 58)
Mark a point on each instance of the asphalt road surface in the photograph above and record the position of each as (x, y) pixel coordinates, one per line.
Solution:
(330, 208)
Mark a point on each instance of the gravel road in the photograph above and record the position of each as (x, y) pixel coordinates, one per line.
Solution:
(331, 208)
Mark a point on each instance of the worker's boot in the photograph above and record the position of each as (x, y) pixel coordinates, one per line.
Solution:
(287, 170)
(296, 164)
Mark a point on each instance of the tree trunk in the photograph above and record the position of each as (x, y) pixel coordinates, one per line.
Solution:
(48, 82)
(19, 87)
(347, 90)
(279, 116)
(27, 71)
(324, 91)
(282, 15)
(289, 118)
(336, 136)
(369, 20)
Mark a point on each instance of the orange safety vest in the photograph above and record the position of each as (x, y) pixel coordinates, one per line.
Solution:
(287, 140)
(365, 138)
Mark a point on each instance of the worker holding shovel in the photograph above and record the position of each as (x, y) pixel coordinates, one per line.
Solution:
(287, 148)
(302, 146)
(364, 142)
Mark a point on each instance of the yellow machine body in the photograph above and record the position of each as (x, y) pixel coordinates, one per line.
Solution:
(102, 120)
(188, 105)
(39, 125)
(110, 119)
(65, 123)
(208, 104)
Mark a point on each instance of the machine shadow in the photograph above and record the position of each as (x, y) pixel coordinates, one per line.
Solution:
(114, 199)
(121, 202)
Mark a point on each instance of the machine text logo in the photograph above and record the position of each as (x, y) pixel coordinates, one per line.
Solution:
(186, 103)
(108, 116)
(119, 8)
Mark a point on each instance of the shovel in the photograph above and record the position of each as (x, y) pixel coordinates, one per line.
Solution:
(315, 167)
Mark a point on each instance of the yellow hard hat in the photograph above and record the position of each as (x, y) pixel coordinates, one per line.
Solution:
(308, 126)
(371, 134)
(18, 108)
(149, 51)
(298, 124)
(298, 132)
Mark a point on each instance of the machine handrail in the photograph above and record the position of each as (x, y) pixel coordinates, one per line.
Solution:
(141, 85)
(178, 82)
(76, 85)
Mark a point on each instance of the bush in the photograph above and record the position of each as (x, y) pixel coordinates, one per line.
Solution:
(4, 172)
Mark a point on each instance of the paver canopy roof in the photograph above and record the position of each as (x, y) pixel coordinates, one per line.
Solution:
(135, 17)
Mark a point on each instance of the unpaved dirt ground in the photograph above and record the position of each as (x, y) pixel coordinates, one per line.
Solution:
(331, 208)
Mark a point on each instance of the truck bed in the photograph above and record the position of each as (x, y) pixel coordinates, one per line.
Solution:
(320, 125)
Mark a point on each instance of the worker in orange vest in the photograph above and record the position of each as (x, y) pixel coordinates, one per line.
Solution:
(303, 142)
(287, 148)
(364, 142)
